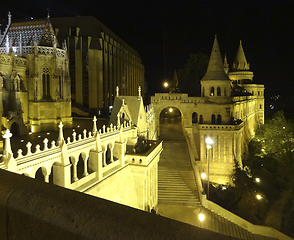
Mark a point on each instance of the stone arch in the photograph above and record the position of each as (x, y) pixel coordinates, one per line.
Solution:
(40, 173)
(51, 167)
(194, 117)
(80, 165)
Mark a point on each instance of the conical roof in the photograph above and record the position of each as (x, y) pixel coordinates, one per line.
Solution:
(240, 62)
(215, 70)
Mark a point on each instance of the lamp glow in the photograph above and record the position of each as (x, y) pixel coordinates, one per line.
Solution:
(203, 175)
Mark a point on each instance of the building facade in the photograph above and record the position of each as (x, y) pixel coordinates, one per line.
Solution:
(98, 61)
(35, 81)
(229, 110)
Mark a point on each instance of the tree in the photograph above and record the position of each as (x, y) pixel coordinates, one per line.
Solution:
(193, 71)
(273, 149)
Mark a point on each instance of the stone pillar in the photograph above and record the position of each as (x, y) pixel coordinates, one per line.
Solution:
(85, 167)
(62, 175)
(75, 174)
(119, 151)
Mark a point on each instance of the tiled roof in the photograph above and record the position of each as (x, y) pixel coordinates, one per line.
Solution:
(42, 31)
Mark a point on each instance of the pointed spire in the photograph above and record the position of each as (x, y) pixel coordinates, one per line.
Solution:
(226, 65)
(7, 146)
(215, 70)
(174, 83)
(240, 62)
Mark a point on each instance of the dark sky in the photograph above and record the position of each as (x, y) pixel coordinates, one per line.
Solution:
(177, 28)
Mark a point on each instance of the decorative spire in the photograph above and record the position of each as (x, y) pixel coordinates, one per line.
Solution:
(174, 83)
(117, 91)
(139, 91)
(94, 125)
(215, 70)
(226, 65)
(60, 138)
(240, 62)
(9, 18)
(7, 148)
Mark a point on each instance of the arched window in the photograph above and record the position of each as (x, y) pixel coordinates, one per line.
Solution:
(212, 119)
(218, 91)
(194, 117)
(60, 85)
(46, 82)
(219, 120)
(201, 119)
(212, 91)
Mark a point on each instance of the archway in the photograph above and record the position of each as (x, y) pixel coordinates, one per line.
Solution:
(170, 123)
(39, 175)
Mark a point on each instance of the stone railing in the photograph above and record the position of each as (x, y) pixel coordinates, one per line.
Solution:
(221, 127)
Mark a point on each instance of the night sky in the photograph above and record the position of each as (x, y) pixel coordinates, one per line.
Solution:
(175, 29)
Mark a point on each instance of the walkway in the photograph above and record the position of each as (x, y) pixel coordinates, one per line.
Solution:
(177, 190)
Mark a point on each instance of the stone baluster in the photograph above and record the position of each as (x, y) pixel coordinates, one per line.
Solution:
(111, 127)
(53, 144)
(19, 153)
(37, 148)
(103, 127)
(80, 137)
(104, 156)
(85, 133)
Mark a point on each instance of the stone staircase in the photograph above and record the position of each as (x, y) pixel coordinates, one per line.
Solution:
(177, 187)
(217, 223)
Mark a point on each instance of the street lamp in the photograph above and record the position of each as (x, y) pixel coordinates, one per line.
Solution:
(257, 180)
(165, 84)
(201, 217)
(209, 143)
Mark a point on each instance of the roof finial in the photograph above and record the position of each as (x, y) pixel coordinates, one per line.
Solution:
(48, 14)
(139, 91)
(9, 18)
(117, 91)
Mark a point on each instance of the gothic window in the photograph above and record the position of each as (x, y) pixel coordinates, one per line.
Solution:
(194, 117)
(218, 91)
(260, 106)
(46, 82)
(212, 91)
(60, 85)
(213, 119)
(201, 119)
(219, 120)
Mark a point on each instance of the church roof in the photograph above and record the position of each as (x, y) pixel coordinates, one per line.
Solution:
(41, 31)
(215, 70)
(240, 62)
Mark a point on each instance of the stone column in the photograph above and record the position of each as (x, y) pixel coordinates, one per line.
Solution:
(85, 167)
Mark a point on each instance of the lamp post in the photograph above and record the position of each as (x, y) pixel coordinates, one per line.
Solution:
(203, 176)
(258, 196)
(209, 143)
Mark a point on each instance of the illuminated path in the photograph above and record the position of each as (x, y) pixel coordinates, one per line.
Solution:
(176, 181)
(177, 189)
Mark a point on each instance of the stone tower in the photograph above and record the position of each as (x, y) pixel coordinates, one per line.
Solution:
(215, 82)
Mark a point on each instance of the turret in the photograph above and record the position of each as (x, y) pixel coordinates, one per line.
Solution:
(240, 69)
(215, 82)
